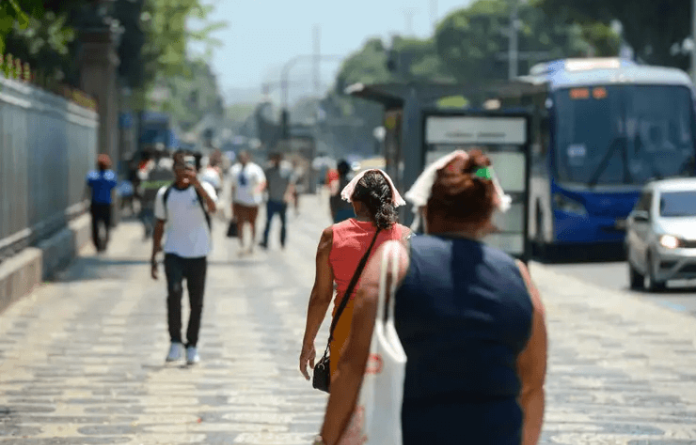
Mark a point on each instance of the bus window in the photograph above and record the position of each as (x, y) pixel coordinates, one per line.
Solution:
(628, 136)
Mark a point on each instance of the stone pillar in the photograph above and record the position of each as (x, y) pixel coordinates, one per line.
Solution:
(98, 77)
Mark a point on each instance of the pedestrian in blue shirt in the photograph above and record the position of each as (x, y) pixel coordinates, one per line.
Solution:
(101, 182)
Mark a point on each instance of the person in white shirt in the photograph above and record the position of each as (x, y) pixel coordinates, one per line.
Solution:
(182, 212)
(248, 182)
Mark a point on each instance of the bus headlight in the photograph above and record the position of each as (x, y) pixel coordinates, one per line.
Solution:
(669, 241)
(569, 205)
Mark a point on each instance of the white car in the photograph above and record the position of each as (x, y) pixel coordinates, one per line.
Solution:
(661, 234)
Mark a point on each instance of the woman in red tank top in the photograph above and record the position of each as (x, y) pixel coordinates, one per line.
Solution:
(341, 247)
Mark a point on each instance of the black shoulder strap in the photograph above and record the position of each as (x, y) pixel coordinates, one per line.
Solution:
(205, 212)
(166, 196)
(198, 197)
(351, 286)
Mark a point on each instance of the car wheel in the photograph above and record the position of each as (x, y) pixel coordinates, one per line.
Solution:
(650, 283)
(636, 279)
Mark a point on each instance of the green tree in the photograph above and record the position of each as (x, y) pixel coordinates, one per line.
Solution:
(656, 29)
(193, 93)
(473, 42)
(40, 33)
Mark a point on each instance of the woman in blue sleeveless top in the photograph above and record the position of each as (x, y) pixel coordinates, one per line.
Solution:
(468, 316)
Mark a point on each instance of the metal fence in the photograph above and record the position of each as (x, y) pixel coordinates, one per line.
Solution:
(47, 146)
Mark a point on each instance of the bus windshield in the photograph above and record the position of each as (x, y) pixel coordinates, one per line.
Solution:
(622, 134)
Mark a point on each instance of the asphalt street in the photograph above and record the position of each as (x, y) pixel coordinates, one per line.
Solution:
(680, 295)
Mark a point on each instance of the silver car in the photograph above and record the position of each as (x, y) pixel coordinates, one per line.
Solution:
(661, 234)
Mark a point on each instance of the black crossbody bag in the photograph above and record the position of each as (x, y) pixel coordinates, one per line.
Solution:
(321, 379)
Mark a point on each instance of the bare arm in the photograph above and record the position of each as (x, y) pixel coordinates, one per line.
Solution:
(531, 366)
(319, 300)
(209, 202)
(345, 386)
(156, 245)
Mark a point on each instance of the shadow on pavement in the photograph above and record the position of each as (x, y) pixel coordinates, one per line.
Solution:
(87, 268)
(689, 288)
(578, 254)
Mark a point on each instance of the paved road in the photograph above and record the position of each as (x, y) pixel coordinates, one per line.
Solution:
(82, 358)
(680, 296)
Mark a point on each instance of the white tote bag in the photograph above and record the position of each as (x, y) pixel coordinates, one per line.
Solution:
(377, 416)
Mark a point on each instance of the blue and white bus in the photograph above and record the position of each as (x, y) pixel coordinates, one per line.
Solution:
(602, 128)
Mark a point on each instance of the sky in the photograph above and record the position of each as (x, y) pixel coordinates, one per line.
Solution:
(262, 35)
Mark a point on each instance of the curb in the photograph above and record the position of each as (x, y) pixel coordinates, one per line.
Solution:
(23, 272)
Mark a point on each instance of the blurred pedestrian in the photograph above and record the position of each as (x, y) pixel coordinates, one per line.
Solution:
(468, 316)
(342, 245)
(300, 187)
(212, 175)
(182, 211)
(340, 209)
(248, 183)
(102, 182)
(161, 174)
(280, 187)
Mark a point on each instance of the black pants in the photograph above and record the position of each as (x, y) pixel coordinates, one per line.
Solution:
(193, 270)
(101, 215)
(273, 207)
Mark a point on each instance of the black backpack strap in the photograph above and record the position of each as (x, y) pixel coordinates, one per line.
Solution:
(200, 201)
(351, 286)
(167, 192)
(205, 212)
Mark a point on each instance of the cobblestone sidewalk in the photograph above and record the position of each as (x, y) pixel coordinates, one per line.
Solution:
(82, 359)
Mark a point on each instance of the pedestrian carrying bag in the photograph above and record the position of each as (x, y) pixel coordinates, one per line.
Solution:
(321, 379)
(377, 416)
(232, 229)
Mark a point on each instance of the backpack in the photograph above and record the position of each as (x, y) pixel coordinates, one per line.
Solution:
(198, 198)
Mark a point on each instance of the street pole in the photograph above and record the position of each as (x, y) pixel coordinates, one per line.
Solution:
(513, 44)
(284, 85)
(693, 41)
(433, 13)
(317, 59)
(408, 13)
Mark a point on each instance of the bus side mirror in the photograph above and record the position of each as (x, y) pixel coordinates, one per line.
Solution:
(640, 216)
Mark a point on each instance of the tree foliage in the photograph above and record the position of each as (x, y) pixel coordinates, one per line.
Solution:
(165, 25)
(656, 29)
(40, 33)
(473, 42)
(193, 93)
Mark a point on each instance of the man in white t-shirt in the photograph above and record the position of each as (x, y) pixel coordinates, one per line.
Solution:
(182, 212)
(248, 183)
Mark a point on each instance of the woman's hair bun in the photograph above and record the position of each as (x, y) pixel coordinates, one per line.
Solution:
(375, 192)
(459, 194)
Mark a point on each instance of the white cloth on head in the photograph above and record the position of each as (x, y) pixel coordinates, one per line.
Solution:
(349, 189)
(420, 192)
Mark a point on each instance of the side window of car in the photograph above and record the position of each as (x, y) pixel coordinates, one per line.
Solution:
(645, 201)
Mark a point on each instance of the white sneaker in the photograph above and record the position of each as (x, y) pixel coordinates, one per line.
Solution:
(174, 352)
(192, 355)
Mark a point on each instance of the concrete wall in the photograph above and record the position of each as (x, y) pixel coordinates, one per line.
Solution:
(23, 272)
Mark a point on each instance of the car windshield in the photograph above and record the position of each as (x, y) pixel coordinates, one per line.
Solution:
(624, 134)
(675, 204)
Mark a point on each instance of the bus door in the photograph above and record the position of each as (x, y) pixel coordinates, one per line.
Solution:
(505, 139)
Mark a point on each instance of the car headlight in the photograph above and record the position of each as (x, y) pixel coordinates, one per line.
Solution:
(669, 241)
(569, 205)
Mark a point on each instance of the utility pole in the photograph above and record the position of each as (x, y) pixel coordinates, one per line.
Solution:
(433, 13)
(693, 41)
(513, 44)
(317, 60)
(408, 13)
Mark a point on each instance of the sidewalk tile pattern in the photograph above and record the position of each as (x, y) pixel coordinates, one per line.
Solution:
(82, 359)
